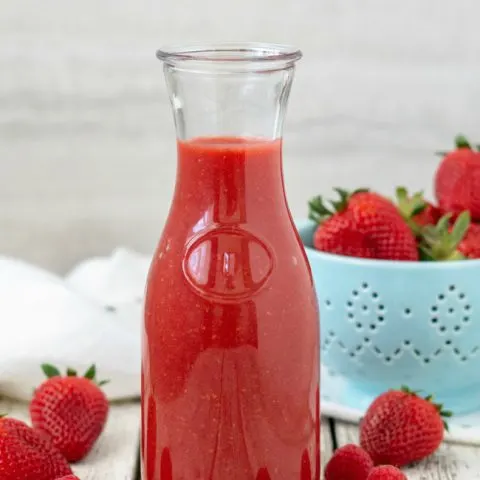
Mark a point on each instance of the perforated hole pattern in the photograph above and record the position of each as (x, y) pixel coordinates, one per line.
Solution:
(366, 313)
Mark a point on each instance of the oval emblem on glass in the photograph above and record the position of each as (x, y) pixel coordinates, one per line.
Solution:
(227, 264)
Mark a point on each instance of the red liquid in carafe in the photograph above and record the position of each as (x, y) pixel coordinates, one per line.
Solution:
(231, 360)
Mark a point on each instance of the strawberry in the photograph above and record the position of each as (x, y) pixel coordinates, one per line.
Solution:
(443, 241)
(72, 410)
(386, 472)
(362, 224)
(28, 455)
(470, 245)
(457, 180)
(400, 428)
(349, 463)
(416, 211)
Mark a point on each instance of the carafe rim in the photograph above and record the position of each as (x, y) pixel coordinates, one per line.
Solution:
(256, 54)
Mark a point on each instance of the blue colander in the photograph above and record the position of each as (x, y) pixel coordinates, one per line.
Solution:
(387, 323)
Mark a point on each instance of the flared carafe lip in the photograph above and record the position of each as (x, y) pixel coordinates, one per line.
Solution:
(235, 55)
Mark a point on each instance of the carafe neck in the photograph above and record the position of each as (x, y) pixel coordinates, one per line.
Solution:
(230, 180)
(238, 90)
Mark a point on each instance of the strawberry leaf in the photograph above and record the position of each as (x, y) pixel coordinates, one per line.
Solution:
(409, 206)
(417, 209)
(402, 193)
(406, 389)
(318, 212)
(91, 373)
(71, 372)
(425, 255)
(460, 227)
(443, 223)
(462, 142)
(50, 371)
(340, 205)
(440, 242)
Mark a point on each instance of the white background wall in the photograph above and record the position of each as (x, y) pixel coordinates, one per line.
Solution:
(87, 152)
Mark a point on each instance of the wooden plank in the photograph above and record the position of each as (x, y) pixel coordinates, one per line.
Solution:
(451, 462)
(326, 444)
(115, 455)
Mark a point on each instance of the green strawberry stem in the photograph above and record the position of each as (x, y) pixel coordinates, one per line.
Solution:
(409, 207)
(429, 398)
(91, 373)
(461, 141)
(51, 371)
(439, 243)
(319, 212)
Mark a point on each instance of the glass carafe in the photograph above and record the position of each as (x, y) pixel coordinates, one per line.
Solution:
(230, 382)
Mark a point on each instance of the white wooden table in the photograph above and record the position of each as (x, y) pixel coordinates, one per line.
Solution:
(115, 456)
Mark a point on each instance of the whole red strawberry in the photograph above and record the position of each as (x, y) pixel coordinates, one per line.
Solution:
(386, 472)
(457, 180)
(400, 428)
(349, 463)
(470, 245)
(72, 410)
(362, 224)
(28, 455)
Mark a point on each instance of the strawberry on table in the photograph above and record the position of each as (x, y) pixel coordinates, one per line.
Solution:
(349, 463)
(386, 472)
(457, 180)
(71, 410)
(400, 428)
(26, 454)
(362, 224)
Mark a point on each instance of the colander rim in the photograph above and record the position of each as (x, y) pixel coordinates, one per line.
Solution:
(374, 263)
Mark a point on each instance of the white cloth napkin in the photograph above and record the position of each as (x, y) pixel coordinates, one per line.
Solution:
(93, 315)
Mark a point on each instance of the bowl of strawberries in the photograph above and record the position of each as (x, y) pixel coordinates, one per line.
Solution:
(398, 284)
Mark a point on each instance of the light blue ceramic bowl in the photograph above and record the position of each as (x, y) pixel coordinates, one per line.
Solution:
(385, 324)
